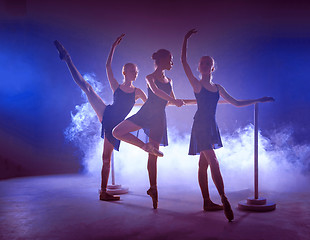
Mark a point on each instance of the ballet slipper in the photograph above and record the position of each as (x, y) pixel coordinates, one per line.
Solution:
(208, 206)
(63, 54)
(149, 147)
(227, 208)
(104, 196)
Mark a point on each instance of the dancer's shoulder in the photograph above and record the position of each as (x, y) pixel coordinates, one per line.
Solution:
(219, 87)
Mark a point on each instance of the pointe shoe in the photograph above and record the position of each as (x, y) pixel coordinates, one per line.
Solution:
(208, 206)
(152, 192)
(63, 54)
(104, 196)
(148, 147)
(227, 209)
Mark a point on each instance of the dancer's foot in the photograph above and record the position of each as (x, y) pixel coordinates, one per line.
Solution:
(104, 196)
(152, 192)
(208, 206)
(149, 147)
(227, 209)
(63, 54)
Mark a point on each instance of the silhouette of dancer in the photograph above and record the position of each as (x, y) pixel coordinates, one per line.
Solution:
(205, 135)
(124, 97)
(152, 117)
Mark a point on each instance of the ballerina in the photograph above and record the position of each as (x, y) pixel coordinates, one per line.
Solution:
(124, 97)
(205, 134)
(152, 117)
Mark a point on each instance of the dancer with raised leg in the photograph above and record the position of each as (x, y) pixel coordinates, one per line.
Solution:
(124, 97)
(205, 134)
(152, 117)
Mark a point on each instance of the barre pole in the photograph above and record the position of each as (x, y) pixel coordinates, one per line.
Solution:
(115, 188)
(256, 204)
(256, 151)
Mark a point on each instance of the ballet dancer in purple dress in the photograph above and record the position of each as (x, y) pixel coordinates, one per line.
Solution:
(124, 97)
(205, 134)
(152, 117)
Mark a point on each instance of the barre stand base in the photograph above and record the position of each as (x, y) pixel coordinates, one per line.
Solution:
(116, 189)
(256, 205)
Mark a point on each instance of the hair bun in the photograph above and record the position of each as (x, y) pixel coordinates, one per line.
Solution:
(160, 54)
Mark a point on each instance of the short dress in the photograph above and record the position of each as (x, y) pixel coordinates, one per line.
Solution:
(115, 113)
(152, 115)
(205, 133)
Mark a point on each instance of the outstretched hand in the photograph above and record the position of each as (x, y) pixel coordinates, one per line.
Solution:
(267, 99)
(118, 40)
(190, 33)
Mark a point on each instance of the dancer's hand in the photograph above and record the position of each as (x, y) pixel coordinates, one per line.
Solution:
(118, 40)
(190, 33)
(266, 99)
(178, 102)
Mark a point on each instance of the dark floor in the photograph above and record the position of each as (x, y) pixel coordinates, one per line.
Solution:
(67, 207)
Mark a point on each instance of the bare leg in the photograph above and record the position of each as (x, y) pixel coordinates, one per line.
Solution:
(208, 205)
(152, 170)
(106, 159)
(152, 166)
(123, 132)
(203, 176)
(215, 170)
(95, 101)
(218, 181)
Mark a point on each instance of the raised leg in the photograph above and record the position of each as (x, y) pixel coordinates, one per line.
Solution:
(93, 98)
(123, 132)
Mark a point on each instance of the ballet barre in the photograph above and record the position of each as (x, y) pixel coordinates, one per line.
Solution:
(186, 101)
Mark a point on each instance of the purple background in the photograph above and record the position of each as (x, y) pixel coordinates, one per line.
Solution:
(261, 48)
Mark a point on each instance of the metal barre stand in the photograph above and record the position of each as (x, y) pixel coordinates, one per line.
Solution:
(257, 204)
(115, 188)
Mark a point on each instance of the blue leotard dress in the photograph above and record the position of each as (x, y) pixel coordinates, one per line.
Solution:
(152, 115)
(115, 113)
(205, 133)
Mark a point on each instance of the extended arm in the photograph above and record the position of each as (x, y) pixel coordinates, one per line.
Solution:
(113, 82)
(160, 93)
(241, 103)
(178, 102)
(193, 81)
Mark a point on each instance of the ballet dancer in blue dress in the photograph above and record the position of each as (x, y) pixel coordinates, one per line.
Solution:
(205, 134)
(152, 117)
(124, 97)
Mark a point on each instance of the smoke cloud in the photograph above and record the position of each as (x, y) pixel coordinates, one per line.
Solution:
(283, 164)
